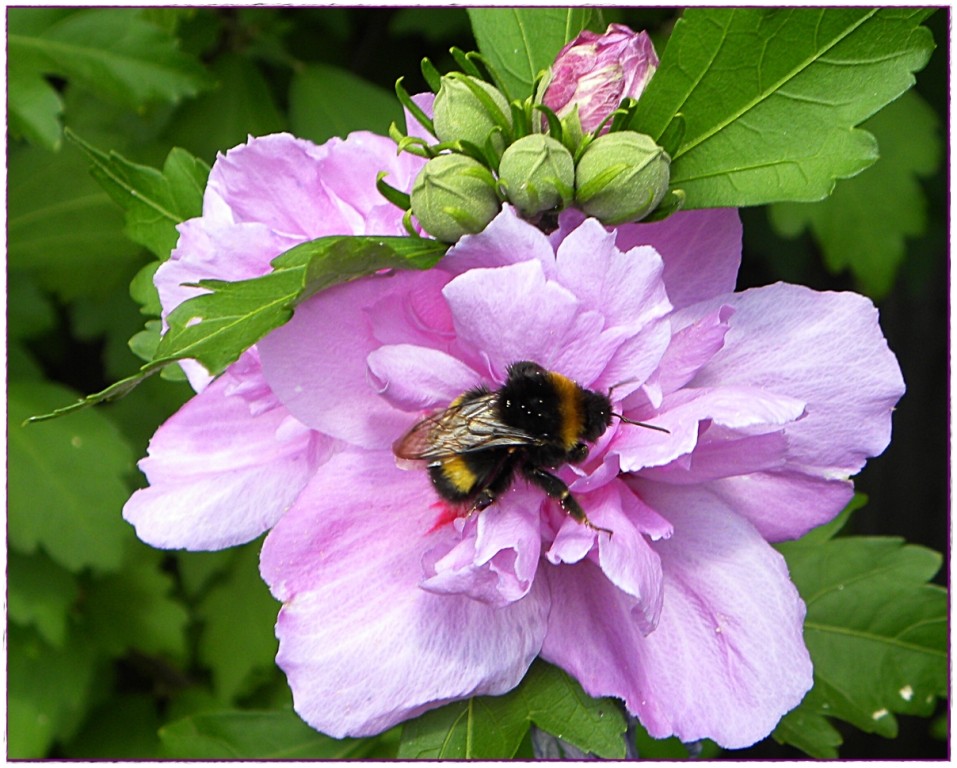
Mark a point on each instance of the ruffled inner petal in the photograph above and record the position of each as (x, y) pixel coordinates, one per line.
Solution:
(496, 559)
(356, 628)
(701, 251)
(626, 287)
(512, 313)
(506, 240)
(417, 378)
(688, 414)
(626, 558)
(317, 363)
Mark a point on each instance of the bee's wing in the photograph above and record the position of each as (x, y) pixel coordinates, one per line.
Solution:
(462, 428)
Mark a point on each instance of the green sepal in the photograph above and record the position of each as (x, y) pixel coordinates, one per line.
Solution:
(671, 203)
(485, 155)
(555, 129)
(466, 63)
(621, 117)
(674, 134)
(432, 76)
(416, 146)
(395, 196)
(521, 122)
(414, 109)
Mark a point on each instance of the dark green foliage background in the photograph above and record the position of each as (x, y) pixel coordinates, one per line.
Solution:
(119, 651)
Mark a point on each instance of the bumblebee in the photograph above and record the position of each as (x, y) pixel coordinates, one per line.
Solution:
(538, 420)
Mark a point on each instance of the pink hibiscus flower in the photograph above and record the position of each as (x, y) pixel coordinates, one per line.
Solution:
(772, 399)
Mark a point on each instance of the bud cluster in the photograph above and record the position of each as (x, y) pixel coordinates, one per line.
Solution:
(492, 150)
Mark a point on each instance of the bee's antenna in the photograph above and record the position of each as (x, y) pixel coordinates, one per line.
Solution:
(642, 424)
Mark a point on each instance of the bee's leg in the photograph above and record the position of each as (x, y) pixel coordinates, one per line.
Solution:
(496, 478)
(555, 488)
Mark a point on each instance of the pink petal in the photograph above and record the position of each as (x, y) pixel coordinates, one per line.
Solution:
(497, 558)
(727, 658)
(625, 286)
(780, 504)
(723, 453)
(514, 313)
(689, 349)
(348, 172)
(684, 413)
(507, 239)
(316, 363)
(824, 348)
(363, 646)
(418, 378)
(417, 314)
(275, 180)
(701, 251)
(626, 558)
(220, 476)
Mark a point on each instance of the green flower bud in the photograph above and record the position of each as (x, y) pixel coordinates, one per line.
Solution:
(538, 174)
(459, 114)
(621, 177)
(454, 195)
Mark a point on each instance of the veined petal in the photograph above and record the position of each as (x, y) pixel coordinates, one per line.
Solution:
(512, 313)
(690, 347)
(684, 414)
(627, 558)
(275, 180)
(317, 363)
(251, 470)
(347, 562)
(727, 658)
(418, 378)
(824, 348)
(781, 504)
(508, 239)
(626, 286)
(701, 251)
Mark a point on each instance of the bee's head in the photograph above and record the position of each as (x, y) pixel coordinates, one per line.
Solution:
(597, 415)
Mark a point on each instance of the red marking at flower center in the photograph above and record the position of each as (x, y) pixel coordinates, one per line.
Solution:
(447, 514)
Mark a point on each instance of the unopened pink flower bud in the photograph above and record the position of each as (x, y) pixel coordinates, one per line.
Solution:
(595, 72)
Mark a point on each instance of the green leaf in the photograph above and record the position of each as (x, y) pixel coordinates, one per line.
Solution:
(490, 727)
(40, 595)
(66, 482)
(241, 105)
(238, 617)
(862, 226)
(115, 53)
(134, 609)
(34, 107)
(29, 310)
(123, 728)
(326, 101)
(154, 202)
(771, 98)
(521, 42)
(250, 735)
(877, 634)
(556, 703)
(48, 692)
(62, 228)
(217, 327)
